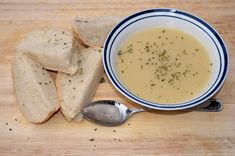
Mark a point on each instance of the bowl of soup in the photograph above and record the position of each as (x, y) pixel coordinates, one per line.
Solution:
(165, 59)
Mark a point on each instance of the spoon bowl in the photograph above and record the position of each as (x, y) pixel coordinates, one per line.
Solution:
(108, 112)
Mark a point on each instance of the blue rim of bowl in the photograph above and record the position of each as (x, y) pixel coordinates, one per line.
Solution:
(153, 105)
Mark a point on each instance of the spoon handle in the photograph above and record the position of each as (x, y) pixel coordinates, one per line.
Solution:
(211, 105)
(135, 110)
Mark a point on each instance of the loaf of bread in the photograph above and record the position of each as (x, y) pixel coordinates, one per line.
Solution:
(34, 89)
(54, 48)
(93, 31)
(77, 90)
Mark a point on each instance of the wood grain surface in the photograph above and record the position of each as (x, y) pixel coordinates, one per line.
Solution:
(149, 133)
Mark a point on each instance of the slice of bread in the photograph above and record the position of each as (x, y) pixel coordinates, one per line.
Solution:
(34, 89)
(77, 90)
(54, 48)
(93, 31)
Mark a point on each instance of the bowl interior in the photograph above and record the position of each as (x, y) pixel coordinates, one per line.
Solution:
(170, 19)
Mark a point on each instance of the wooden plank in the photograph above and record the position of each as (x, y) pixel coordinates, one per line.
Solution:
(149, 133)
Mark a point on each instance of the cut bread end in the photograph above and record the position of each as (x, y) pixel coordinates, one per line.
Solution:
(54, 48)
(77, 90)
(34, 89)
(92, 32)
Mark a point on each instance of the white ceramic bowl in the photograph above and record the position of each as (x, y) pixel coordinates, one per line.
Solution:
(170, 18)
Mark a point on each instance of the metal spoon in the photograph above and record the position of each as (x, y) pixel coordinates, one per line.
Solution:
(113, 113)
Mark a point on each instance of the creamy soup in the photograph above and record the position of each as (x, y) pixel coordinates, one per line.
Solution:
(163, 65)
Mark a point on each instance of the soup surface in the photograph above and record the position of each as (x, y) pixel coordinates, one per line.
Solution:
(163, 65)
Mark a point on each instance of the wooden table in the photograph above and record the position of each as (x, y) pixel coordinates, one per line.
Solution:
(150, 133)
